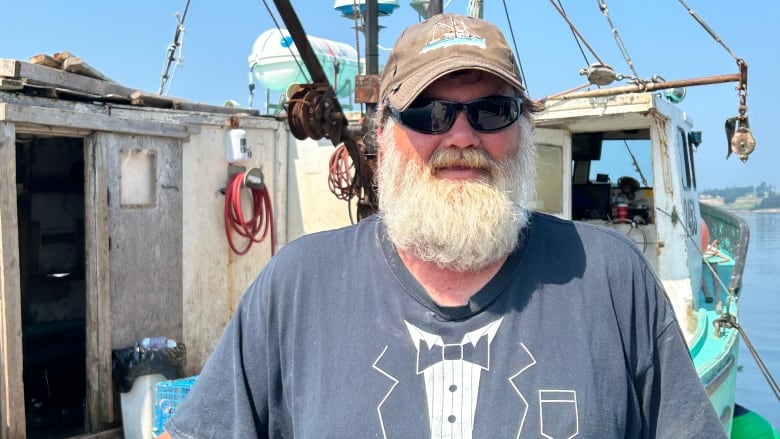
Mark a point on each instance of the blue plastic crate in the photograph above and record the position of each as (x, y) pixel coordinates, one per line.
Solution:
(168, 396)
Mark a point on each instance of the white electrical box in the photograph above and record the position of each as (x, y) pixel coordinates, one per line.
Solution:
(236, 148)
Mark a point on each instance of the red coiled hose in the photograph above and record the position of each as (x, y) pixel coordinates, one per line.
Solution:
(258, 226)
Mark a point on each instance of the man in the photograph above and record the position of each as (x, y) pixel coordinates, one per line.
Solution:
(456, 312)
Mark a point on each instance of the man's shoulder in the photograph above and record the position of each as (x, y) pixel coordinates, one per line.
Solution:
(355, 235)
(592, 236)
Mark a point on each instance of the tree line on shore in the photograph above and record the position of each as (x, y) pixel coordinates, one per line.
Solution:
(765, 192)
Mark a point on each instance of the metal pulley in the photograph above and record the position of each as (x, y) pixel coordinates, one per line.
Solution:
(312, 113)
(740, 137)
(738, 133)
(599, 74)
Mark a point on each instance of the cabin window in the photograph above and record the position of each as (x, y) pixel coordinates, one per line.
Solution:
(611, 169)
(686, 160)
(624, 157)
(549, 182)
(138, 177)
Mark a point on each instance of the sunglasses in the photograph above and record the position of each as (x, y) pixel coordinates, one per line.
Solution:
(436, 116)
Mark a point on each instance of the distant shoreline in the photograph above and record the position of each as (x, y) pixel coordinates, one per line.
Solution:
(772, 210)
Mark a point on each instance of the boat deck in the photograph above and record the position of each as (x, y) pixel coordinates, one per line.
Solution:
(715, 347)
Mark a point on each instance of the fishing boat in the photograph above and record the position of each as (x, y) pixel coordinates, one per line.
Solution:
(118, 213)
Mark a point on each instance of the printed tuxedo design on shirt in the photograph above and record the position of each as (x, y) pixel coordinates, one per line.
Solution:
(450, 372)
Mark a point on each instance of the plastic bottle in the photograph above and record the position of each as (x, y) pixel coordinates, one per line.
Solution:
(156, 343)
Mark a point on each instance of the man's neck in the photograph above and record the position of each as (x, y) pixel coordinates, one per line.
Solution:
(448, 287)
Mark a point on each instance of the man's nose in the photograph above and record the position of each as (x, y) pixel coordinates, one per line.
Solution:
(462, 134)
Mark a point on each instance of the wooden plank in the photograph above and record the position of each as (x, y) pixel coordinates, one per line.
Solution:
(10, 68)
(207, 108)
(100, 122)
(12, 417)
(61, 79)
(11, 84)
(100, 389)
(78, 65)
(151, 100)
(45, 60)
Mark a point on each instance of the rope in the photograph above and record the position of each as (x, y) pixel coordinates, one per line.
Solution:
(258, 226)
(340, 177)
(729, 321)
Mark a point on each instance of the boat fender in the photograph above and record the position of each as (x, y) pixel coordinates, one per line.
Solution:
(705, 237)
(749, 424)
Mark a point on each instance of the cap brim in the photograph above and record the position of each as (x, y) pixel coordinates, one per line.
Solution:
(412, 86)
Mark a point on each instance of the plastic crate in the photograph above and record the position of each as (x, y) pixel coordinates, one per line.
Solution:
(168, 395)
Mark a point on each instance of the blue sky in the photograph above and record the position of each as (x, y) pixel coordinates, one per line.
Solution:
(127, 41)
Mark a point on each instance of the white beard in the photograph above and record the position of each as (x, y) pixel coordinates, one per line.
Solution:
(461, 225)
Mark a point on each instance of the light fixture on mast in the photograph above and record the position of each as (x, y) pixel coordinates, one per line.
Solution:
(347, 7)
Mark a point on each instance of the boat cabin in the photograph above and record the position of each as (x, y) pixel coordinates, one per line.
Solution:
(112, 229)
(612, 161)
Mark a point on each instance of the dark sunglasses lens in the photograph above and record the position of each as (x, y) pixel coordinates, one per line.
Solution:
(493, 114)
(437, 116)
(428, 117)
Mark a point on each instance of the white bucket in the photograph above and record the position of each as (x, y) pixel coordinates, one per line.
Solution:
(138, 407)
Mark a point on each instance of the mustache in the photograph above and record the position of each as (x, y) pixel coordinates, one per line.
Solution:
(468, 157)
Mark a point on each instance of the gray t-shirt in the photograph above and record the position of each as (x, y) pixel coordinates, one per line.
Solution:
(574, 337)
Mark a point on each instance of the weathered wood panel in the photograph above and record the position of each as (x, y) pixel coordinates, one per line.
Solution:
(145, 254)
(100, 389)
(73, 119)
(12, 420)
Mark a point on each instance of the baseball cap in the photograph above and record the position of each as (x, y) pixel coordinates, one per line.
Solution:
(440, 45)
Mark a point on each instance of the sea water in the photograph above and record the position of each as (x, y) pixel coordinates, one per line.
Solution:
(759, 314)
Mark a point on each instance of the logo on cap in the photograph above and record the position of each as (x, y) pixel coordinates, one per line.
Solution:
(453, 33)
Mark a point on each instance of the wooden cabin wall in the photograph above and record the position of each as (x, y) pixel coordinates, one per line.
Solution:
(214, 278)
(12, 419)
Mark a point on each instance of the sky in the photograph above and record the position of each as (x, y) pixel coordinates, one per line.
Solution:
(128, 42)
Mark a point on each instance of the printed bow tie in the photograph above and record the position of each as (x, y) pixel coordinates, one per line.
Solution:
(478, 354)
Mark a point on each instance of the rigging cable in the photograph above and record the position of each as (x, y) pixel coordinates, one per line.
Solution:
(259, 225)
(576, 40)
(303, 71)
(605, 10)
(709, 30)
(636, 164)
(576, 31)
(514, 43)
(177, 43)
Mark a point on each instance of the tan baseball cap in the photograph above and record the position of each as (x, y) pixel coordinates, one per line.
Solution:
(440, 45)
